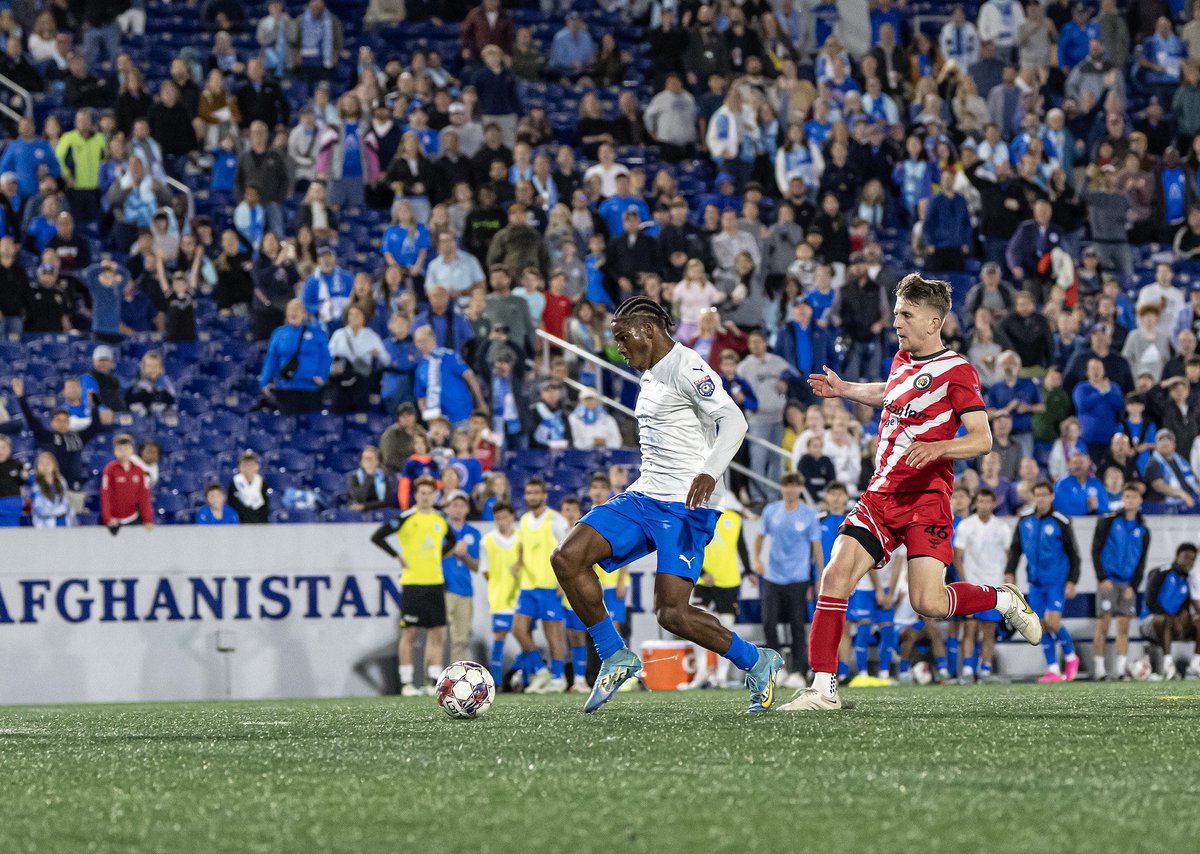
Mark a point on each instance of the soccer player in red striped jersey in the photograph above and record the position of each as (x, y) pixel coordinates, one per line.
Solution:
(930, 392)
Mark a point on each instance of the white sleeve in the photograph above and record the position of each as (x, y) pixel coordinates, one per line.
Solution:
(483, 559)
(709, 397)
(559, 527)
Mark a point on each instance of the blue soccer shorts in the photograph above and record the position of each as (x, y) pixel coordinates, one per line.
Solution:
(635, 525)
(861, 606)
(541, 603)
(1046, 597)
(572, 621)
(502, 621)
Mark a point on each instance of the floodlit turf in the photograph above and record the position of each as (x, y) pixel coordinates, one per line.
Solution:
(1019, 768)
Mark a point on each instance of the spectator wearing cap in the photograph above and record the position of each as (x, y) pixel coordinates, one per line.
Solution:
(124, 493)
(990, 292)
(806, 347)
(572, 49)
(468, 131)
(80, 152)
(591, 425)
(247, 493)
(297, 363)
(49, 307)
(215, 510)
(444, 386)
(26, 157)
(327, 291)
(65, 444)
(101, 381)
(1168, 476)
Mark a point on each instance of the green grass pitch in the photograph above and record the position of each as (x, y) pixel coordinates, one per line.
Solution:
(1079, 767)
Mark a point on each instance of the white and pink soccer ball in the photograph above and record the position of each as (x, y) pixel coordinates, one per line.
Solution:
(1140, 669)
(465, 690)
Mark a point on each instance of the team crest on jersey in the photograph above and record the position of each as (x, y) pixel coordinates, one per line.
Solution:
(706, 386)
(922, 382)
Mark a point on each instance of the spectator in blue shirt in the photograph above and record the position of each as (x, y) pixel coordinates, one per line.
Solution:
(215, 512)
(806, 347)
(327, 291)
(1078, 493)
(1099, 406)
(1016, 396)
(457, 567)
(444, 384)
(106, 284)
(26, 156)
(396, 383)
(297, 363)
(947, 229)
(406, 241)
(1160, 61)
(1074, 38)
(795, 535)
(138, 313)
(572, 49)
(612, 209)
(451, 329)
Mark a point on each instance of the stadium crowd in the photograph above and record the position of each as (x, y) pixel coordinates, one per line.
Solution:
(327, 238)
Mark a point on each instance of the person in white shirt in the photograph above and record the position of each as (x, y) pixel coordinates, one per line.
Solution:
(1162, 293)
(358, 351)
(459, 271)
(689, 429)
(980, 552)
(959, 40)
(591, 425)
(607, 169)
(998, 23)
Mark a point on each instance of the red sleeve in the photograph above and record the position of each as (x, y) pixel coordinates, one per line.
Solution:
(105, 498)
(144, 503)
(964, 393)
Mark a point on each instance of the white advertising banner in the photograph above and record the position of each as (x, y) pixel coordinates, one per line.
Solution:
(250, 612)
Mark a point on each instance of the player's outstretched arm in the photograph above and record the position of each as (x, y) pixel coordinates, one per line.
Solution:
(975, 442)
(829, 384)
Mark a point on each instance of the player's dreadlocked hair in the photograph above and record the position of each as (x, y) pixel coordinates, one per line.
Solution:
(636, 307)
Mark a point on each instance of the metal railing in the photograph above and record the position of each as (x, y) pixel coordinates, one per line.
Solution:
(180, 187)
(549, 341)
(23, 94)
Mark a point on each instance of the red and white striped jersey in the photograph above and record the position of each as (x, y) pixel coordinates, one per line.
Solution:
(924, 401)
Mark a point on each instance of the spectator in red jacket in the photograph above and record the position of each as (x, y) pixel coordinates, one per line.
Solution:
(124, 494)
(486, 24)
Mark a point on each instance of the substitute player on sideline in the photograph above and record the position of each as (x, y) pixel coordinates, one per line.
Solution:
(689, 428)
(980, 553)
(930, 392)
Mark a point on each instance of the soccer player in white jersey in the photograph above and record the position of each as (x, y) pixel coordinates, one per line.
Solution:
(980, 554)
(930, 392)
(689, 429)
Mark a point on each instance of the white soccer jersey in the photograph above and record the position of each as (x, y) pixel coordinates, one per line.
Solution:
(985, 549)
(676, 428)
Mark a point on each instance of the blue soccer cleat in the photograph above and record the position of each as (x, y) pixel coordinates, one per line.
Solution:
(615, 670)
(760, 679)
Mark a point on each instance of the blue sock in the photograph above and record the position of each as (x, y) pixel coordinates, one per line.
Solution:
(533, 663)
(743, 655)
(952, 656)
(557, 665)
(1048, 649)
(605, 638)
(985, 669)
(1064, 639)
(843, 670)
(887, 643)
(973, 661)
(519, 663)
(940, 663)
(579, 661)
(496, 661)
(905, 666)
(862, 640)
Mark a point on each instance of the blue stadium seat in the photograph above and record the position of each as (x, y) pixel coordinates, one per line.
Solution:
(331, 483)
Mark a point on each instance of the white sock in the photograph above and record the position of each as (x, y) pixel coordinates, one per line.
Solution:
(1070, 657)
(1120, 662)
(434, 672)
(1053, 668)
(967, 671)
(826, 683)
(1195, 660)
(406, 674)
(700, 654)
(1004, 599)
(1098, 668)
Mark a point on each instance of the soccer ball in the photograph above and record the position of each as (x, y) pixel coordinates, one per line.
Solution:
(1141, 669)
(922, 675)
(465, 690)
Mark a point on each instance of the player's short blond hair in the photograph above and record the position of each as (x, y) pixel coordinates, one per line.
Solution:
(921, 291)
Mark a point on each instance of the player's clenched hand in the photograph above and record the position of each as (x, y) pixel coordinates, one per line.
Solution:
(921, 454)
(702, 489)
(827, 384)
(1069, 590)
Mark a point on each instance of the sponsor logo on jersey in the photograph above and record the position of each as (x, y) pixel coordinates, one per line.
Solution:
(905, 411)
(705, 386)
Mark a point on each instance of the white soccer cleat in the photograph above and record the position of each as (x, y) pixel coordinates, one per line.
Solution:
(581, 685)
(1168, 668)
(1193, 670)
(539, 683)
(1020, 617)
(411, 691)
(812, 700)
